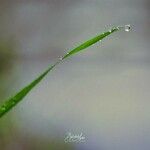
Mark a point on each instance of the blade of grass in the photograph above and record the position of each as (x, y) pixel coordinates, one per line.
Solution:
(13, 101)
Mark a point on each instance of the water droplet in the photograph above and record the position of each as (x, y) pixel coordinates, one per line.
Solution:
(60, 58)
(110, 31)
(127, 28)
(118, 28)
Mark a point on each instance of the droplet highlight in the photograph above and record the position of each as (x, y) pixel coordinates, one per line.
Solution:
(110, 31)
(61, 58)
(127, 28)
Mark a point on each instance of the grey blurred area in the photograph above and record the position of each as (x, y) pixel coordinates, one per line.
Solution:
(103, 92)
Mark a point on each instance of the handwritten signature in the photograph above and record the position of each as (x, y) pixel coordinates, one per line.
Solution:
(74, 138)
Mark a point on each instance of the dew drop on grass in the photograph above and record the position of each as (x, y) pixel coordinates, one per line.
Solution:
(60, 58)
(110, 31)
(127, 28)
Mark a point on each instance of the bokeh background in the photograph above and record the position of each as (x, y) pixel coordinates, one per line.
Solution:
(102, 92)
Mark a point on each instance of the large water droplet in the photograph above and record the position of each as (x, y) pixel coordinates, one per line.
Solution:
(127, 28)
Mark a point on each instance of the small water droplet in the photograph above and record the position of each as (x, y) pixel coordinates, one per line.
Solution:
(110, 31)
(118, 28)
(127, 28)
(60, 58)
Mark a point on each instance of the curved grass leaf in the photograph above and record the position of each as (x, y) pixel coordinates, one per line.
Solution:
(13, 101)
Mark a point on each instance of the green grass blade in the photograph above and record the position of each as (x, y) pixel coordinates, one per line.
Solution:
(90, 42)
(13, 101)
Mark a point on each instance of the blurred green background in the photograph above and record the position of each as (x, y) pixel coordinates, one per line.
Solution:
(102, 92)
